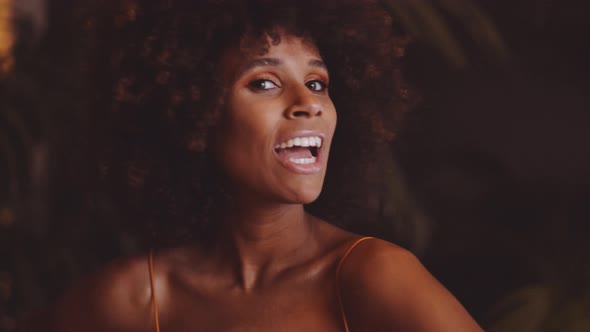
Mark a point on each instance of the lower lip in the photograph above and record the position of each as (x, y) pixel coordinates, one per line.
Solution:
(312, 168)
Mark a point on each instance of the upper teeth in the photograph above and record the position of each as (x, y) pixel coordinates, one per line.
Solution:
(301, 141)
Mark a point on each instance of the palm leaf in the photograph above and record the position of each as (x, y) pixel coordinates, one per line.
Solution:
(428, 21)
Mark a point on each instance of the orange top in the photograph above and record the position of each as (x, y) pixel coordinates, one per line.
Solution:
(340, 263)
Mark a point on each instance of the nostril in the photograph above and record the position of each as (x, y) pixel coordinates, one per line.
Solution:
(300, 113)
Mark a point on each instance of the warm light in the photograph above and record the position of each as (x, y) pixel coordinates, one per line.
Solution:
(6, 217)
(6, 36)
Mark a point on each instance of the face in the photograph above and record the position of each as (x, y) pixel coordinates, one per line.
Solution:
(274, 137)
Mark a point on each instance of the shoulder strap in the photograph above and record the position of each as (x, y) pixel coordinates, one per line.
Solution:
(346, 253)
(153, 289)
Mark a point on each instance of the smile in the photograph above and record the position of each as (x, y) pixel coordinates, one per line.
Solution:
(301, 154)
(313, 141)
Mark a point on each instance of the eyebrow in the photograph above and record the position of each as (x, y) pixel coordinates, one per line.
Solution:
(264, 62)
(317, 63)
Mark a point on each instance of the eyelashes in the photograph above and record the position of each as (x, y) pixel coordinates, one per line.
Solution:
(265, 84)
(317, 85)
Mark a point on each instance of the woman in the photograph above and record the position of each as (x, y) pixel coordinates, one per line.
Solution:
(223, 119)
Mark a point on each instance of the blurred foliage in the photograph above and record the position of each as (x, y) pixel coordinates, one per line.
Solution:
(47, 237)
(434, 22)
(542, 308)
(559, 298)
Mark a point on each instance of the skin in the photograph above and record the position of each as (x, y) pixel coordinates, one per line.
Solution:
(273, 268)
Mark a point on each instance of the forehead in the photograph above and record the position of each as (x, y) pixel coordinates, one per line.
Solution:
(257, 52)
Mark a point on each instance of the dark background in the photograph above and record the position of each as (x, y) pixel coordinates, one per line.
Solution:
(494, 157)
(497, 155)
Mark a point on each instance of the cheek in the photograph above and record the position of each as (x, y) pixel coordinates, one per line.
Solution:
(245, 138)
(233, 159)
(331, 117)
(249, 133)
(236, 144)
(334, 120)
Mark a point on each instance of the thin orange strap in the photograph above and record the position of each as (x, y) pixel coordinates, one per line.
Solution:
(348, 251)
(154, 302)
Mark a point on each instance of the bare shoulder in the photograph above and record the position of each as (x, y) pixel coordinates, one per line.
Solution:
(116, 298)
(385, 287)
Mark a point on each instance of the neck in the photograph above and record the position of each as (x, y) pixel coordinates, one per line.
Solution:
(264, 241)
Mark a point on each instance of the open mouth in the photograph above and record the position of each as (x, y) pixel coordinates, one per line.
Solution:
(300, 150)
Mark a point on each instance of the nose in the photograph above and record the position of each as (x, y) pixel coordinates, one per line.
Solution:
(304, 105)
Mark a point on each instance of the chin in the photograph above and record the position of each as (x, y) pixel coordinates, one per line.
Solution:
(304, 195)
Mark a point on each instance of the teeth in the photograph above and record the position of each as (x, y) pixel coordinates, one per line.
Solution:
(301, 141)
(304, 161)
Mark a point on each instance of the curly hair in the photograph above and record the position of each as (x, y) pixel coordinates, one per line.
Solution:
(159, 95)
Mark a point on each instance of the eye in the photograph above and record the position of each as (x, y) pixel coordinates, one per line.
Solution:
(317, 85)
(262, 84)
